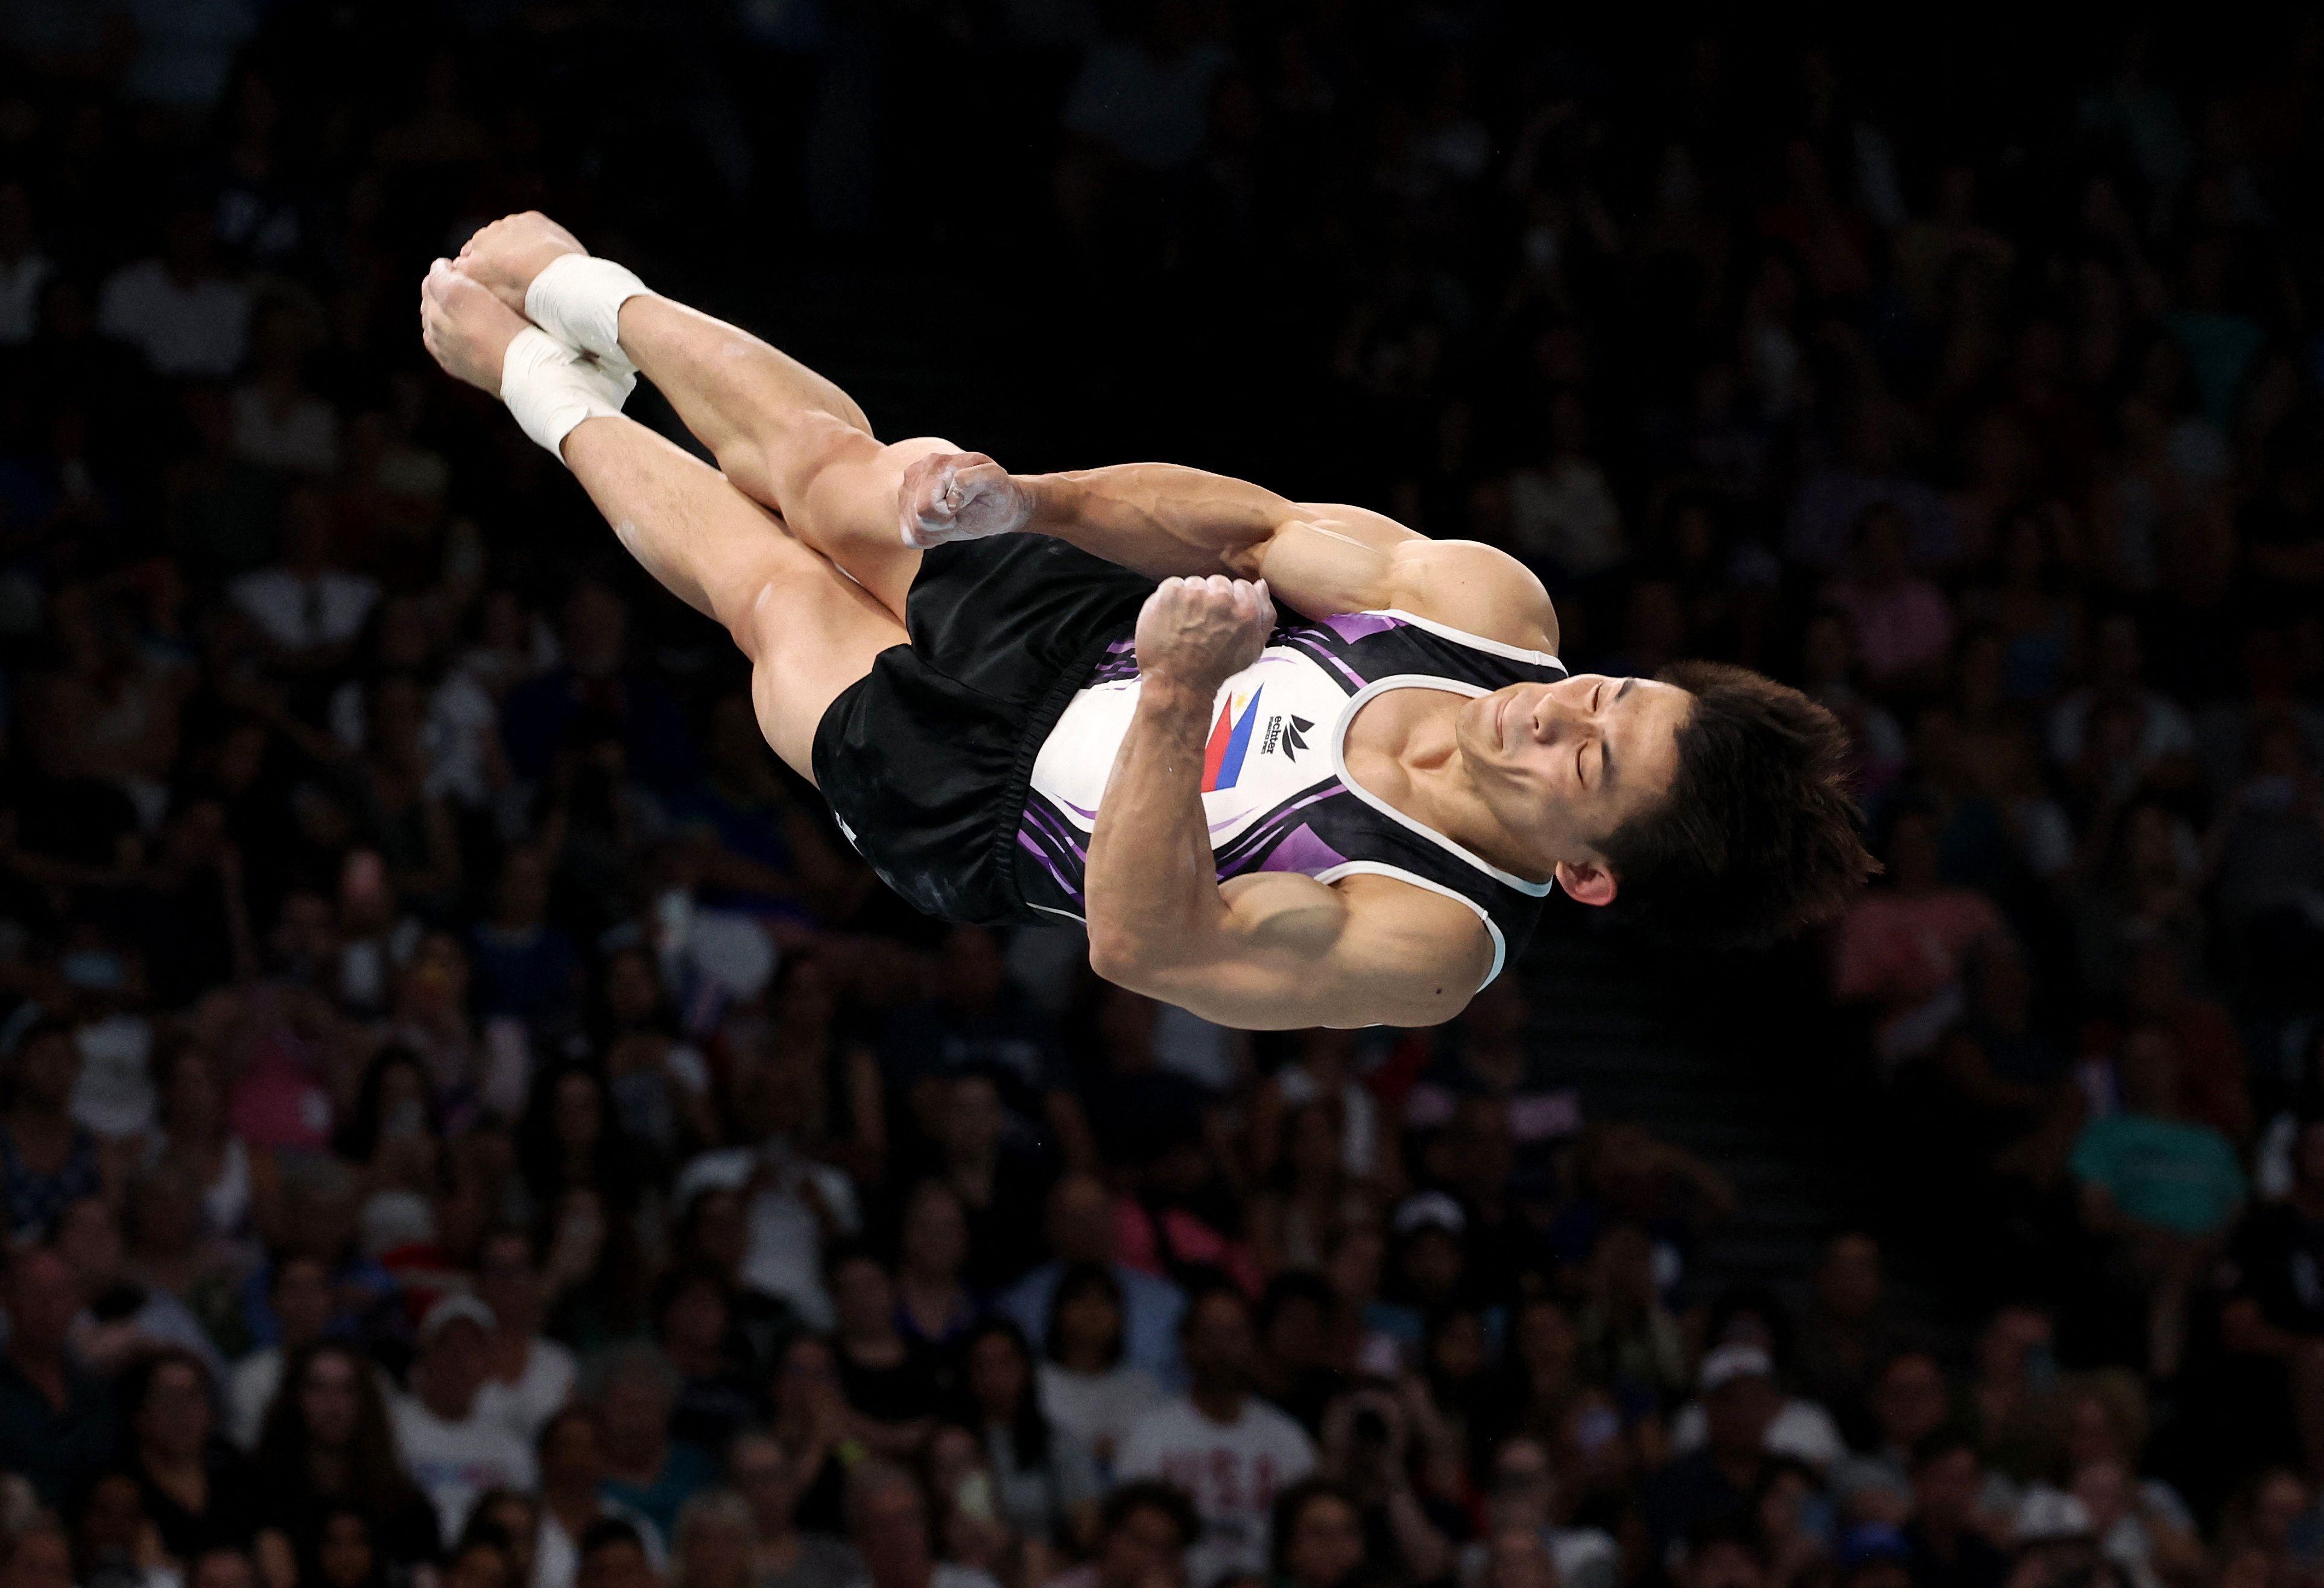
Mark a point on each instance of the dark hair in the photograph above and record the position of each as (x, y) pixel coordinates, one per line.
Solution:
(608, 1532)
(1151, 1494)
(137, 1383)
(1942, 1441)
(1077, 1280)
(358, 1137)
(1292, 1502)
(1028, 1425)
(375, 1482)
(1757, 838)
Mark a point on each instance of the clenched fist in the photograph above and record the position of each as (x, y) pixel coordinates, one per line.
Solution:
(959, 496)
(1196, 634)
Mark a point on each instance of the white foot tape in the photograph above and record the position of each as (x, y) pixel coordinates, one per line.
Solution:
(577, 298)
(550, 388)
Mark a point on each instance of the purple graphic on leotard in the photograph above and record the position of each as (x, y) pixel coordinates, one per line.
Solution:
(1302, 851)
(1352, 626)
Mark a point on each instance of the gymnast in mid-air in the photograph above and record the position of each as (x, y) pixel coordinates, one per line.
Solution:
(1075, 694)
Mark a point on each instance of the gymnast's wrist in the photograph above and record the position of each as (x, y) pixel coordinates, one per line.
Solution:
(1052, 503)
(1172, 700)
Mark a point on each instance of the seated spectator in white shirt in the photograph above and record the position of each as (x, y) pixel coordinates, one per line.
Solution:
(1801, 1429)
(1231, 1451)
(176, 308)
(797, 1205)
(300, 1295)
(308, 609)
(529, 1377)
(454, 1444)
(572, 1501)
(278, 421)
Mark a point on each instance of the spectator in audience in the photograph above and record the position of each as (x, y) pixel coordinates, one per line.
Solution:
(329, 1442)
(1081, 1230)
(453, 1444)
(783, 1555)
(1230, 1452)
(2163, 1190)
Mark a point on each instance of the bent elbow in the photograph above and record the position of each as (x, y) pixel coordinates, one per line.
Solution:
(1115, 957)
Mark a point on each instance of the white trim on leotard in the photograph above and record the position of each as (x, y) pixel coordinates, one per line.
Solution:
(1338, 743)
(1474, 641)
(1373, 868)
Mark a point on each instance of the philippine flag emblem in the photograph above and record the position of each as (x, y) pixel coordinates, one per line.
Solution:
(1230, 741)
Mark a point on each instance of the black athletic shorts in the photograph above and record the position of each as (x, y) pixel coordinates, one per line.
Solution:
(925, 759)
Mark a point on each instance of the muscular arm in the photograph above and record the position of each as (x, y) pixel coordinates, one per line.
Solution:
(1164, 520)
(1271, 951)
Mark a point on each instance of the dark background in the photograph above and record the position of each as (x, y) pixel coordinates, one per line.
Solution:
(1962, 369)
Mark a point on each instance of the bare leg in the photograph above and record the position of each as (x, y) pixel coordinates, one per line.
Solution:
(788, 437)
(808, 630)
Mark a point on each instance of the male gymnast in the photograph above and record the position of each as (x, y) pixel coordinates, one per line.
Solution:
(1073, 696)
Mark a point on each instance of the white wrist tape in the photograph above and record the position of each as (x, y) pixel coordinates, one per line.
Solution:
(577, 298)
(550, 388)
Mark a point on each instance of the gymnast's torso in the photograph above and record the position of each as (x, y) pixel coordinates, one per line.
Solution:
(1275, 788)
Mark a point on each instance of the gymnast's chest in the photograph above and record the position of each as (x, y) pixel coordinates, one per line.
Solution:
(1270, 742)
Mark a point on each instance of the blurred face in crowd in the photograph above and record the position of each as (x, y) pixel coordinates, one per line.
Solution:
(1946, 1487)
(46, 1069)
(1081, 1221)
(864, 1298)
(175, 1418)
(579, 1111)
(633, 1417)
(890, 1531)
(998, 1374)
(452, 1369)
(505, 1278)
(1849, 1282)
(1326, 1543)
(519, 1519)
(761, 1473)
(41, 1558)
(571, 1460)
(1517, 1557)
(345, 1551)
(222, 1569)
(973, 1119)
(722, 1229)
(1088, 1322)
(1723, 1563)
(934, 1241)
(2091, 1433)
(43, 1298)
(1909, 1401)
(713, 1549)
(1218, 1343)
(331, 1398)
(479, 1566)
(616, 1564)
(1144, 1550)
(1737, 1414)
(1523, 1485)
(89, 1238)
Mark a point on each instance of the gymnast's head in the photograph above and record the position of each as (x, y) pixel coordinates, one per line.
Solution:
(1709, 804)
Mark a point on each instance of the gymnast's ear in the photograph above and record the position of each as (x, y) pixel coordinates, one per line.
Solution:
(1586, 880)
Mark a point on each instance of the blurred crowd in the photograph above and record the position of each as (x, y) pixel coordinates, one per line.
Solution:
(467, 1121)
